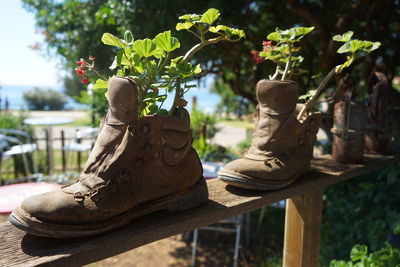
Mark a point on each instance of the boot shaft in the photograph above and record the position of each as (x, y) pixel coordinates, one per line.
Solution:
(273, 118)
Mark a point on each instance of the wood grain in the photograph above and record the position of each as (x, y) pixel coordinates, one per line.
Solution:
(302, 230)
(20, 249)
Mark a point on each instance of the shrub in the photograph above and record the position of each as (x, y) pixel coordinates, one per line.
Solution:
(360, 211)
(359, 256)
(45, 99)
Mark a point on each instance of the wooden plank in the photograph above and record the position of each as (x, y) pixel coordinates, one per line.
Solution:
(302, 230)
(20, 249)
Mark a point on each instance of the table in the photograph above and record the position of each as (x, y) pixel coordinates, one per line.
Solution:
(49, 122)
(11, 196)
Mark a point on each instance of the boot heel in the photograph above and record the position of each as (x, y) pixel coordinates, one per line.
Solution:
(196, 197)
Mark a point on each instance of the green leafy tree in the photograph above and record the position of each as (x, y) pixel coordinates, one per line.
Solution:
(70, 26)
(44, 99)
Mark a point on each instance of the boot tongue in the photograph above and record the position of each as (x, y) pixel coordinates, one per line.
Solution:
(122, 100)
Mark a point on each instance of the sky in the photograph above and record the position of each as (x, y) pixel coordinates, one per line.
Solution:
(19, 64)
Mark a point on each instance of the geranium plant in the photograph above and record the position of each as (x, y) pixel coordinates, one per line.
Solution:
(148, 62)
(285, 54)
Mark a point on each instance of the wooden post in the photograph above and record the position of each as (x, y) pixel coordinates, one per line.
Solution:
(302, 230)
(63, 159)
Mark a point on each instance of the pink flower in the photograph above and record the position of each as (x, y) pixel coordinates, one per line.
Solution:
(92, 58)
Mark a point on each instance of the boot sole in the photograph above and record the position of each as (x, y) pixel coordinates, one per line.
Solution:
(247, 182)
(190, 198)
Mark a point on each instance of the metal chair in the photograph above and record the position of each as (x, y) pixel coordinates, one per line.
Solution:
(77, 146)
(19, 148)
(231, 225)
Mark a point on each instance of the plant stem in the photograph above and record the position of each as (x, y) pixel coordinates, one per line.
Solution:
(177, 96)
(187, 56)
(199, 46)
(320, 88)
(273, 77)
(288, 63)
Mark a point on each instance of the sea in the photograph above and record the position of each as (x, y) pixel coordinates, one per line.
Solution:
(13, 94)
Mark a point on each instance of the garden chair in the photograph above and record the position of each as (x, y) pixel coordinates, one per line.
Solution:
(231, 225)
(12, 146)
(76, 144)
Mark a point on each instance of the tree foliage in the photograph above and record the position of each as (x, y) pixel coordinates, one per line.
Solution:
(73, 28)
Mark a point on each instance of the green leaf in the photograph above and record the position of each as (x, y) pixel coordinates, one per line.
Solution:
(301, 31)
(274, 36)
(145, 48)
(184, 26)
(100, 84)
(356, 45)
(128, 36)
(137, 63)
(218, 28)
(210, 16)
(358, 252)
(190, 17)
(372, 46)
(345, 48)
(230, 32)
(345, 37)
(110, 39)
(166, 42)
(150, 109)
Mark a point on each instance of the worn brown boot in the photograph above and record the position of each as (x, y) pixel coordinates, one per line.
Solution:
(282, 145)
(137, 166)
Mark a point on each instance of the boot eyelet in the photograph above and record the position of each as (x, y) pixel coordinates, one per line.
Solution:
(145, 128)
(131, 131)
(300, 141)
(147, 147)
(79, 197)
(139, 162)
(124, 175)
(268, 164)
(291, 150)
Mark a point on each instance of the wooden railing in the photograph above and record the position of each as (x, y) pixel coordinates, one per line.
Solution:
(302, 226)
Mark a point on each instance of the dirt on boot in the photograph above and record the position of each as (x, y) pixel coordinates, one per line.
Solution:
(282, 145)
(137, 166)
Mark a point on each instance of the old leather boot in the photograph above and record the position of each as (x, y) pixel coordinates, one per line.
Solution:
(137, 166)
(282, 145)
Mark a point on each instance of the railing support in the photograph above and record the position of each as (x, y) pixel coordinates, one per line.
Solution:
(302, 230)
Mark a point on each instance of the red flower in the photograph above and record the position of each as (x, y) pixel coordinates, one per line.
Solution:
(79, 71)
(92, 58)
(265, 43)
(85, 80)
(256, 57)
(81, 62)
